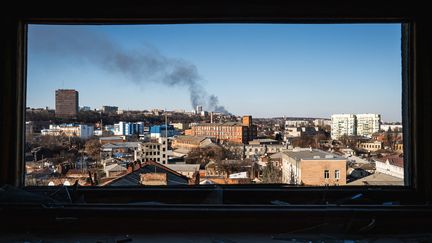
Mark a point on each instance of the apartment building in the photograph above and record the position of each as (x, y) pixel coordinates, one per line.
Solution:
(66, 103)
(296, 123)
(368, 124)
(364, 125)
(343, 124)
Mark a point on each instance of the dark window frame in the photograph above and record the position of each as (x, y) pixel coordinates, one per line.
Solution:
(416, 102)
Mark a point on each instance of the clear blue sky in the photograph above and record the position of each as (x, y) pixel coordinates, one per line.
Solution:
(265, 70)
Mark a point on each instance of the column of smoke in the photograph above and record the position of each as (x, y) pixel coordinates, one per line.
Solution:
(143, 65)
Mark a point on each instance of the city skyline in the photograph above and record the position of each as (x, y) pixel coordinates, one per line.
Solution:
(306, 74)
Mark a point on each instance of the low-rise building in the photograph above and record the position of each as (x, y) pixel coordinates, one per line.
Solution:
(149, 173)
(391, 165)
(119, 149)
(112, 139)
(322, 122)
(312, 167)
(398, 147)
(296, 123)
(161, 131)
(189, 170)
(293, 132)
(114, 170)
(180, 126)
(255, 151)
(128, 128)
(371, 146)
(69, 130)
(377, 179)
(191, 142)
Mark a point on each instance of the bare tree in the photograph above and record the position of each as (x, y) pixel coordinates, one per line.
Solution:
(92, 149)
(271, 173)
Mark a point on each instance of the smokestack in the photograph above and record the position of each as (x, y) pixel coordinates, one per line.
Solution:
(211, 117)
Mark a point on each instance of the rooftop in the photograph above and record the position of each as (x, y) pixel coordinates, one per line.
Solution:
(192, 139)
(183, 167)
(395, 160)
(379, 179)
(121, 145)
(221, 124)
(312, 154)
(263, 141)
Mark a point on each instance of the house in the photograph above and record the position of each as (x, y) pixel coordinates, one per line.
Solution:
(391, 165)
(371, 146)
(188, 170)
(114, 170)
(159, 175)
(119, 149)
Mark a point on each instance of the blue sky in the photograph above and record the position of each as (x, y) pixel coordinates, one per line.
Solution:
(265, 70)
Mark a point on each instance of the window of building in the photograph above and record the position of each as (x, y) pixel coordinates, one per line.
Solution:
(326, 174)
(337, 174)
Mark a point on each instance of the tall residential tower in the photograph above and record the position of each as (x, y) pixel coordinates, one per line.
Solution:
(66, 103)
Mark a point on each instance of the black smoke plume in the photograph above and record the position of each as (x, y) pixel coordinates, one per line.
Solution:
(146, 64)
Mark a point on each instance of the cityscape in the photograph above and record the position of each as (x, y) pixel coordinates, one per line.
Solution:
(111, 147)
(165, 105)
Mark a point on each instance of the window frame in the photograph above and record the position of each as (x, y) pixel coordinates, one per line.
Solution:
(415, 86)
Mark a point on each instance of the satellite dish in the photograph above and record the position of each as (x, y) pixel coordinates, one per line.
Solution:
(66, 183)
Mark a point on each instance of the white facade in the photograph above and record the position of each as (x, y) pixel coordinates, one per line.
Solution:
(393, 128)
(343, 124)
(128, 128)
(296, 123)
(322, 122)
(368, 124)
(389, 169)
(69, 130)
(256, 151)
(292, 132)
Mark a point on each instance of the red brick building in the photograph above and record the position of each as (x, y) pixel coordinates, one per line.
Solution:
(229, 131)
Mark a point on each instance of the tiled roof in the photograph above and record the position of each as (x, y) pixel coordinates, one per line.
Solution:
(395, 160)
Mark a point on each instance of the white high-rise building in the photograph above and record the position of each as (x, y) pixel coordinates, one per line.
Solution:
(368, 124)
(343, 124)
(199, 109)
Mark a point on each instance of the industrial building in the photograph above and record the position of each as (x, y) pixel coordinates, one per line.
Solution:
(237, 132)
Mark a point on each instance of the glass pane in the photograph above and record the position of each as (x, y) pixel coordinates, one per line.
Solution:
(296, 104)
